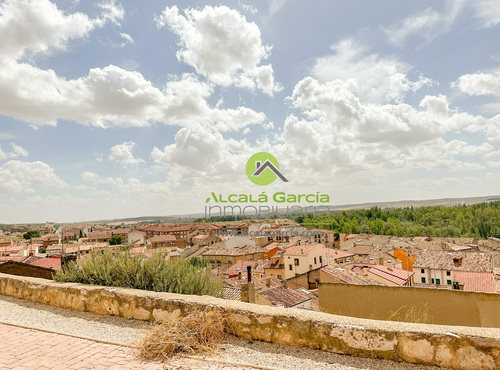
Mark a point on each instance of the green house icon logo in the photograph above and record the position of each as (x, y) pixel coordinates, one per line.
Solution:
(263, 169)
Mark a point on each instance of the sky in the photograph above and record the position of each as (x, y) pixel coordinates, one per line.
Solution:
(119, 109)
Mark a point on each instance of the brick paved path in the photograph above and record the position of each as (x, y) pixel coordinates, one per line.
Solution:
(31, 349)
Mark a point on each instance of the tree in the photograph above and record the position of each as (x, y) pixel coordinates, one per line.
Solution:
(31, 234)
(115, 240)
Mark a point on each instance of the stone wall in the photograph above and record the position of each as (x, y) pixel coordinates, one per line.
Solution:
(455, 347)
(445, 307)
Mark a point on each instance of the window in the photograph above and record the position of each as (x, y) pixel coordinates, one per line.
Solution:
(296, 261)
(422, 271)
(448, 273)
(290, 267)
(321, 260)
(315, 260)
(432, 280)
(279, 277)
(438, 281)
(448, 282)
(423, 280)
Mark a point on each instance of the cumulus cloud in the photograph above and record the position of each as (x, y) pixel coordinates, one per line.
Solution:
(373, 77)
(222, 46)
(109, 96)
(479, 83)
(17, 151)
(203, 150)
(339, 133)
(21, 177)
(122, 153)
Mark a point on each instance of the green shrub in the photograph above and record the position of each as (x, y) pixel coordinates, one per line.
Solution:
(140, 272)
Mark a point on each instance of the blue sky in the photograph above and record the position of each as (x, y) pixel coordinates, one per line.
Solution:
(124, 109)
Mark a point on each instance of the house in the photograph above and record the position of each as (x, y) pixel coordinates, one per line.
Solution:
(339, 256)
(325, 237)
(161, 241)
(475, 281)
(435, 266)
(122, 232)
(359, 251)
(284, 297)
(49, 239)
(340, 274)
(389, 275)
(137, 237)
(180, 231)
(218, 254)
(276, 267)
(99, 236)
(302, 258)
(271, 250)
(23, 269)
(205, 239)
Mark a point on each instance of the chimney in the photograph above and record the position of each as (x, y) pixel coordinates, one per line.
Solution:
(249, 274)
(268, 282)
(257, 165)
(248, 293)
(239, 275)
(388, 264)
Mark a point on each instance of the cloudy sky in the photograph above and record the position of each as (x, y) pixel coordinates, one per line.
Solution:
(124, 109)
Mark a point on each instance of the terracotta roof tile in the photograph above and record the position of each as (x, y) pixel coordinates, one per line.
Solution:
(475, 281)
(285, 297)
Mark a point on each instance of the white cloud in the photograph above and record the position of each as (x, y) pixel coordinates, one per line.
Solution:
(427, 24)
(17, 151)
(109, 96)
(111, 12)
(20, 177)
(37, 25)
(247, 7)
(127, 37)
(341, 134)
(94, 179)
(122, 153)
(487, 11)
(203, 150)
(374, 78)
(222, 46)
(479, 83)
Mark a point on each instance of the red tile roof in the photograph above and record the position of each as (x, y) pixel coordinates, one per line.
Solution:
(303, 249)
(360, 249)
(50, 263)
(475, 281)
(285, 297)
(394, 275)
(337, 253)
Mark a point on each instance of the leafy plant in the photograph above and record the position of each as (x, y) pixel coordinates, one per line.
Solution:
(140, 272)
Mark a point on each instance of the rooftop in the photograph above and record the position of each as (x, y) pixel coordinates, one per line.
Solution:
(446, 260)
(285, 297)
(475, 281)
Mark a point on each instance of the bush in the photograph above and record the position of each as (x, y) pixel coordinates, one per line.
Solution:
(140, 272)
(115, 240)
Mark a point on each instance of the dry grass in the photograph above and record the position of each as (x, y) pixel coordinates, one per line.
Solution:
(419, 315)
(198, 331)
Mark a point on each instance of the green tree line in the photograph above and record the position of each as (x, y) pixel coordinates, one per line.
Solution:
(480, 220)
